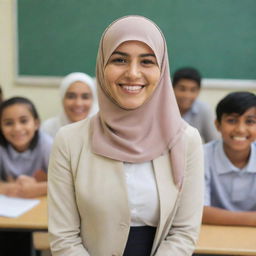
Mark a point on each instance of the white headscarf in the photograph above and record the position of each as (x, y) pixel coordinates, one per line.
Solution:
(81, 77)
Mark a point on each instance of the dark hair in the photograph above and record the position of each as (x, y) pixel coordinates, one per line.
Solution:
(33, 111)
(1, 94)
(235, 102)
(186, 73)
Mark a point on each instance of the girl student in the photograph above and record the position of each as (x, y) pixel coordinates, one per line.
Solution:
(24, 150)
(129, 180)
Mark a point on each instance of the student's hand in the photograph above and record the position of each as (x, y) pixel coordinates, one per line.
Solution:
(10, 189)
(24, 179)
(27, 186)
(40, 176)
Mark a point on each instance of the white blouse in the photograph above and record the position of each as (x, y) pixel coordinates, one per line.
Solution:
(142, 194)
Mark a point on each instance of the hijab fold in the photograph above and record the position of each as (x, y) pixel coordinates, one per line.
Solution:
(151, 130)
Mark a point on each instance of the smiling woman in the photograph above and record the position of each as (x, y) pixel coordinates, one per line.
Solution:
(132, 74)
(132, 175)
(79, 100)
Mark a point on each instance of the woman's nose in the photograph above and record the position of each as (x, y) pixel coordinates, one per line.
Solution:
(133, 71)
(79, 101)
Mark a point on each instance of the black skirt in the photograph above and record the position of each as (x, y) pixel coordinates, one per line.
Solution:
(140, 241)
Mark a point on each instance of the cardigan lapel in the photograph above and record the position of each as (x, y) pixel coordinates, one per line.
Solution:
(167, 191)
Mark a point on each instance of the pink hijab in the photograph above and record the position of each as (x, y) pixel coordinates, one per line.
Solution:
(151, 130)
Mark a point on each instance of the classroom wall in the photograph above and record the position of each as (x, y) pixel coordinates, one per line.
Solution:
(46, 98)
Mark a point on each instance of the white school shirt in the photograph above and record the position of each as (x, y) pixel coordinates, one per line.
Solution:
(227, 186)
(142, 194)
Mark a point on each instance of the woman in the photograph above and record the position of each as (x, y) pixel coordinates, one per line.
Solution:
(128, 181)
(79, 99)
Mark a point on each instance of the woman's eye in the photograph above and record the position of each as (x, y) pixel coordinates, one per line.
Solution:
(70, 96)
(147, 62)
(86, 96)
(118, 60)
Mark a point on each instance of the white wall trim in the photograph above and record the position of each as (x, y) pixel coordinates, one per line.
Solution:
(40, 81)
(231, 84)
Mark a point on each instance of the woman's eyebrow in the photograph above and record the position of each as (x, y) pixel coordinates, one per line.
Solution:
(141, 55)
(148, 55)
(120, 53)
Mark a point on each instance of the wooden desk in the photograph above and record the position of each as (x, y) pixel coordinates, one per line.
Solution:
(35, 219)
(222, 240)
(227, 240)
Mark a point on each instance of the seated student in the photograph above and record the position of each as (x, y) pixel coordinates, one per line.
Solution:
(230, 163)
(1, 94)
(187, 84)
(24, 150)
(24, 155)
(79, 100)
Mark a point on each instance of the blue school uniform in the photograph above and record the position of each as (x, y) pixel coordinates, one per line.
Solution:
(227, 186)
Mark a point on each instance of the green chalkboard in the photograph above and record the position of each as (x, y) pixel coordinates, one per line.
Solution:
(218, 37)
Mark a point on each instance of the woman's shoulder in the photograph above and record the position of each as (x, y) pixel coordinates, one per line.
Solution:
(78, 130)
(192, 136)
(73, 137)
(191, 132)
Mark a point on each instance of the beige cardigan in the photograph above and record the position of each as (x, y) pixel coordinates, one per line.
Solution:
(88, 206)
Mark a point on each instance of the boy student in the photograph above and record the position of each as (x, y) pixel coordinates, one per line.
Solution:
(230, 163)
(187, 85)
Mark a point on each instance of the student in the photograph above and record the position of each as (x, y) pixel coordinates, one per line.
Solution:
(24, 150)
(24, 154)
(187, 85)
(230, 163)
(129, 180)
(79, 100)
(1, 94)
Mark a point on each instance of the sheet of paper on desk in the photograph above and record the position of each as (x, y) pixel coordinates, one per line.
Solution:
(14, 207)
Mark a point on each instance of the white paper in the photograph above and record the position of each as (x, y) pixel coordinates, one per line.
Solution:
(13, 207)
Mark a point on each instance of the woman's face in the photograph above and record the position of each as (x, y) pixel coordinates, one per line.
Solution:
(132, 74)
(77, 101)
